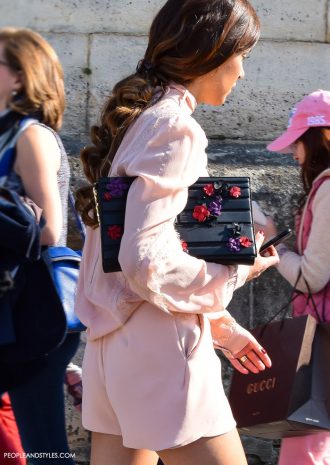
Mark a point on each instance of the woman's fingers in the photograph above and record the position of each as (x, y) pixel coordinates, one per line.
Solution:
(271, 256)
(272, 251)
(257, 360)
(265, 358)
(253, 358)
(246, 366)
(238, 366)
(260, 237)
(262, 263)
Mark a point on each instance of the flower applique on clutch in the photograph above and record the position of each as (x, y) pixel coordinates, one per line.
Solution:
(216, 224)
(225, 206)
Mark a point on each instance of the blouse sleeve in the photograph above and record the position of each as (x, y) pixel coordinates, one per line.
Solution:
(151, 255)
(315, 261)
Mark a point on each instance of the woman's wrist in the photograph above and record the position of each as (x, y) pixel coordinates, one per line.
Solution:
(222, 329)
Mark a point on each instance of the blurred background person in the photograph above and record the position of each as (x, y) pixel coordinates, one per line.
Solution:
(308, 266)
(33, 162)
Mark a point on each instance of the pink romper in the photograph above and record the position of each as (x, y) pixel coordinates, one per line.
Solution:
(150, 373)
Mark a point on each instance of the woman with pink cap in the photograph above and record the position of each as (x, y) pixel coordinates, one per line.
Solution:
(308, 138)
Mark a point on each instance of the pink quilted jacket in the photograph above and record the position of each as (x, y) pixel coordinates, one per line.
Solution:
(316, 303)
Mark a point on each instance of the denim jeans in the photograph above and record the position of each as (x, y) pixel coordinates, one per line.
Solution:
(38, 404)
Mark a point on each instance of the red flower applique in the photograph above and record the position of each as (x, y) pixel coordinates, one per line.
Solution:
(107, 196)
(114, 232)
(235, 191)
(245, 241)
(200, 213)
(184, 246)
(209, 189)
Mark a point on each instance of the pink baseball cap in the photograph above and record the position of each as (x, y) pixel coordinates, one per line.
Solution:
(313, 110)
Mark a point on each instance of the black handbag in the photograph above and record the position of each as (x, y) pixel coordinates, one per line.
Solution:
(216, 224)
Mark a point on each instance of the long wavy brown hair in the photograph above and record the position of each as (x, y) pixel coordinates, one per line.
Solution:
(316, 143)
(187, 39)
(42, 90)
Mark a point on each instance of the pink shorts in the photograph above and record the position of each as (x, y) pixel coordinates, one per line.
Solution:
(156, 382)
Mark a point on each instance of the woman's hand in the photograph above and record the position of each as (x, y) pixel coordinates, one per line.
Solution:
(240, 347)
(252, 358)
(262, 263)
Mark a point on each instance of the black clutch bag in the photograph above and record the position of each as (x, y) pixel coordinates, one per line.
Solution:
(216, 224)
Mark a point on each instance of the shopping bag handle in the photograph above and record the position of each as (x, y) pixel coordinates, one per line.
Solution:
(295, 293)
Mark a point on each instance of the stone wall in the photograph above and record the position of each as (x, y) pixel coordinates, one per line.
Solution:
(101, 41)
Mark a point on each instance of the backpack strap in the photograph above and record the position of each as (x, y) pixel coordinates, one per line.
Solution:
(9, 145)
(6, 163)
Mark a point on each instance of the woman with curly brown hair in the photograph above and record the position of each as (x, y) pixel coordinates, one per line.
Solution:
(151, 378)
(33, 162)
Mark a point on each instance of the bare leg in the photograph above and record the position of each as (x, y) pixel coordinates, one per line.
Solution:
(219, 450)
(108, 449)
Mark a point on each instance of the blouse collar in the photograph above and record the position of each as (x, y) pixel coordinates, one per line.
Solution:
(185, 96)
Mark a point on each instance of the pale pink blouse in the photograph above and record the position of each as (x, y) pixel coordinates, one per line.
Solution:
(165, 150)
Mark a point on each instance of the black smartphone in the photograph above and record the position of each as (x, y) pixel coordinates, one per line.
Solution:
(282, 236)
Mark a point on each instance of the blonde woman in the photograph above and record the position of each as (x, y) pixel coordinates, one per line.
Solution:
(33, 162)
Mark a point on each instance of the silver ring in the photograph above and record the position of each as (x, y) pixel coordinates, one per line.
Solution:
(243, 359)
